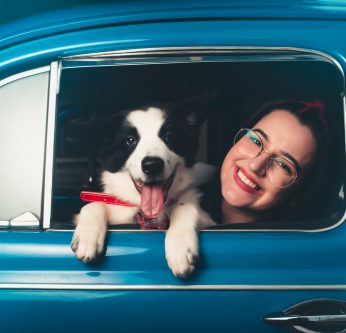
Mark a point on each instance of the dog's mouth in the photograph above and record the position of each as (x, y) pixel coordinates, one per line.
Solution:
(153, 195)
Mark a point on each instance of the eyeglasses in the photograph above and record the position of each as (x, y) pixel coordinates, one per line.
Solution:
(280, 172)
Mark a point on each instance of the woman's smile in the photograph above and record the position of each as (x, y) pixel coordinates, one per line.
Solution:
(245, 181)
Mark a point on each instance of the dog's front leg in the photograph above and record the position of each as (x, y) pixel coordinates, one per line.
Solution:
(182, 248)
(88, 241)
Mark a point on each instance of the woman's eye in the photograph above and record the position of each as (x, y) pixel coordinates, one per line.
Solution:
(285, 167)
(255, 139)
(131, 141)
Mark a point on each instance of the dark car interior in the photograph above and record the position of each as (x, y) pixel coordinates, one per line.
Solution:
(90, 95)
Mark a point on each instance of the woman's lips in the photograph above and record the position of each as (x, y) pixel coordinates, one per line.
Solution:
(245, 182)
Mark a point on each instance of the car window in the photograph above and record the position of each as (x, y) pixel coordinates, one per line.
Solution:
(23, 101)
(91, 95)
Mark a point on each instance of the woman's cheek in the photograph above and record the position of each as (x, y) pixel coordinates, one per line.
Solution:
(223, 176)
(270, 198)
(226, 165)
(226, 176)
(227, 193)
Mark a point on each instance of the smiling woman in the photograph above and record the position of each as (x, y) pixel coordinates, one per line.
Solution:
(283, 167)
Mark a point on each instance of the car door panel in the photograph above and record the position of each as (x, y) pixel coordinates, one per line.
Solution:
(244, 276)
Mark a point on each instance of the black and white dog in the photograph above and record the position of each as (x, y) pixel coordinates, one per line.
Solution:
(148, 162)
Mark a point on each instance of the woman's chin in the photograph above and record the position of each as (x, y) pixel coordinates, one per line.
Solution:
(238, 200)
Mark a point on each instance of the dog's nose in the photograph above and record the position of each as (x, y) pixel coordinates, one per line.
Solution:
(152, 166)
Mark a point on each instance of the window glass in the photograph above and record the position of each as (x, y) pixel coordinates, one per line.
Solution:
(90, 96)
(23, 106)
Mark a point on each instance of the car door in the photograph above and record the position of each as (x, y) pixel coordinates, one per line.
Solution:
(245, 276)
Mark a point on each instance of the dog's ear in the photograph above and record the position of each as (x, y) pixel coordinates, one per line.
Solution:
(196, 109)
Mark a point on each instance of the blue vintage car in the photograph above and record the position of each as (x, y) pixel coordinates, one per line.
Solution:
(59, 69)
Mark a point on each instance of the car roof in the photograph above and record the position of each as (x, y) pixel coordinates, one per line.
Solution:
(73, 15)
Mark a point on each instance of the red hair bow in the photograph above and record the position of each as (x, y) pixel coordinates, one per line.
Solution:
(315, 104)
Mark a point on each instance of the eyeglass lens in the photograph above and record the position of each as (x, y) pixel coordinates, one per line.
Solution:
(279, 171)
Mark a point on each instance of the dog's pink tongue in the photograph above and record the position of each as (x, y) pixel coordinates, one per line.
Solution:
(152, 200)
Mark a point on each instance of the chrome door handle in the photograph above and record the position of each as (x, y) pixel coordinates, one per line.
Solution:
(273, 319)
(321, 315)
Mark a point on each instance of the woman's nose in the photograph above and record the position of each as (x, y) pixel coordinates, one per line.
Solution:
(259, 163)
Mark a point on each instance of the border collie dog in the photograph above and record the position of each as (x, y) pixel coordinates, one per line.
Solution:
(147, 161)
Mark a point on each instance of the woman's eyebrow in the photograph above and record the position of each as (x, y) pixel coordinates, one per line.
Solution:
(262, 133)
(285, 153)
(292, 159)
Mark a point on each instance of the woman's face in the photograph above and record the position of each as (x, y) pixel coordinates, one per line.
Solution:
(244, 179)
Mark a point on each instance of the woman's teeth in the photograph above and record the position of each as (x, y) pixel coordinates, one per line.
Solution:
(246, 180)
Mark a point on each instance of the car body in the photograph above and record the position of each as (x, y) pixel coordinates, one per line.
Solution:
(245, 275)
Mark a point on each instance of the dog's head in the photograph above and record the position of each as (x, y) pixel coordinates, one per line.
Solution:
(151, 143)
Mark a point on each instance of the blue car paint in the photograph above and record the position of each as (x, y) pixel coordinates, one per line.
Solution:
(134, 12)
(137, 258)
(315, 35)
(159, 311)
(255, 260)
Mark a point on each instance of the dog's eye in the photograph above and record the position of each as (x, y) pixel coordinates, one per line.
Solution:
(168, 137)
(131, 141)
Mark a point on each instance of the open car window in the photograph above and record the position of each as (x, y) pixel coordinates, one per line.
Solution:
(94, 88)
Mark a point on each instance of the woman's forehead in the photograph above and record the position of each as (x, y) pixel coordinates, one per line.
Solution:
(285, 133)
(279, 118)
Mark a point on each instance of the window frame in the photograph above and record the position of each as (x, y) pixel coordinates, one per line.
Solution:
(169, 55)
(55, 70)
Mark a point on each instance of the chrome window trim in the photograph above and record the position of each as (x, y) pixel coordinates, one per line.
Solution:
(49, 151)
(221, 287)
(344, 189)
(113, 58)
(22, 75)
(250, 51)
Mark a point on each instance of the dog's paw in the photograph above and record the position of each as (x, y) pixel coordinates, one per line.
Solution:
(88, 242)
(182, 251)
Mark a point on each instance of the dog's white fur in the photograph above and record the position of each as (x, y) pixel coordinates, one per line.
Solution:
(185, 214)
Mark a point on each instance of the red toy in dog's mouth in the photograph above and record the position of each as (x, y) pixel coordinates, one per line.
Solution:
(153, 196)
